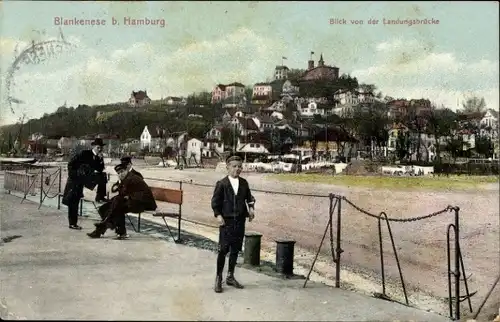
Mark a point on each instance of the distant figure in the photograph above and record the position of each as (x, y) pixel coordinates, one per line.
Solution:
(134, 195)
(232, 203)
(85, 169)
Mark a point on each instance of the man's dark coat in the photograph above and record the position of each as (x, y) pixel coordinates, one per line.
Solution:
(81, 169)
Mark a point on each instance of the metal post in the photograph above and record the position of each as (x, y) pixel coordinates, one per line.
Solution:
(179, 219)
(251, 253)
(41, 186)
(381, 247)
(339, 249)
(457, 263)
(59, 192)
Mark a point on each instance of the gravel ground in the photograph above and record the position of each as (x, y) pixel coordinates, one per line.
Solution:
(421, 245)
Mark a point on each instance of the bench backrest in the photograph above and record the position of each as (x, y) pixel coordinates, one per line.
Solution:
(167, 195)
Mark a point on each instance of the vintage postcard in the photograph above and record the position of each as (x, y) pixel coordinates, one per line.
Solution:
(304, 159)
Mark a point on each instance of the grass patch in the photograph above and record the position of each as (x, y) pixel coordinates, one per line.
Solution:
(386, 182)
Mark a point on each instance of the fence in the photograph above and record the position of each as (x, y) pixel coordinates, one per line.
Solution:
(285, 218)
(44, 181)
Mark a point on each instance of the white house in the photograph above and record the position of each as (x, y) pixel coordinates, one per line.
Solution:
(212, 148)
(194, 149)
(36, 136)
(311, 109)
(489, 124)
(145, 138)
(172, 100)
(244, 126)
(262, 90)
(149, 141)
(252, 148)
(215, 133)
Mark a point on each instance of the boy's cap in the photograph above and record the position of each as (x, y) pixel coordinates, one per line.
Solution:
(126, 160)
(120, 167)
(234, 158)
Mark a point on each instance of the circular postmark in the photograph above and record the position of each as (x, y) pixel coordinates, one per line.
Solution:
(33, 54)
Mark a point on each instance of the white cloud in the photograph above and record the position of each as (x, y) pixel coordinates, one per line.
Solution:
(94, 77)
(415, 70)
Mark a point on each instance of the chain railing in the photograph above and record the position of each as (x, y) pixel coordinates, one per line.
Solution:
(336, 251)
(34, 180)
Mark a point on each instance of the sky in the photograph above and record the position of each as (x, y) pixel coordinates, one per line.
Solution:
(206, 43)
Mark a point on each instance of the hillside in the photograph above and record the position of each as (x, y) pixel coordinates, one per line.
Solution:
(118, 119)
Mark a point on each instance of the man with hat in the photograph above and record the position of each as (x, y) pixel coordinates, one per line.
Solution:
(232, 203)
(85, 169)
(128, 162)
(134, 195)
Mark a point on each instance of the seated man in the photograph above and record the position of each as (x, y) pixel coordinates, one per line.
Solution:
(134, 195)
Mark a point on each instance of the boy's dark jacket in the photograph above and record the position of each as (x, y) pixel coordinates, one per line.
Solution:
(228, 205)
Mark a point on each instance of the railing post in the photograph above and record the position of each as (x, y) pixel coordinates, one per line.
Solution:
(251, 253)
(457, 263)
(59, 190)
(339, 249)
(41, 186)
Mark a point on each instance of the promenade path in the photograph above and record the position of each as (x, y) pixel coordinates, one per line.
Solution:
(48, 271)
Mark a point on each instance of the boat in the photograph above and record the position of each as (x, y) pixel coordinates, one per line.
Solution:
(17, 160)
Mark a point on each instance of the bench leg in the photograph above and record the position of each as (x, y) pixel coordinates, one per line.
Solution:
(131, 223)
(139, 223)
(170, 231)
(58, 202)
(179, 228)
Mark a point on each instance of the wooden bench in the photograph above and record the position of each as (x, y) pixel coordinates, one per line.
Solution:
(172, 196)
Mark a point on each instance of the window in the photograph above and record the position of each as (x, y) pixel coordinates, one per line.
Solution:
(252, 145)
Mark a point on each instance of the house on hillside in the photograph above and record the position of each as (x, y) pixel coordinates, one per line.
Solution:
(221, 91)
(320, 72)
(244, 126)
(175, 101)
(36, 136)
(253, 148)
(489, 124)
(212, 148)
(138, 99)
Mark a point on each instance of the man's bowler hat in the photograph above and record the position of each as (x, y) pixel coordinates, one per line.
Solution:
(98, 141)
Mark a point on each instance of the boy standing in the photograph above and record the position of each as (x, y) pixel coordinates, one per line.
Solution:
(232, 203)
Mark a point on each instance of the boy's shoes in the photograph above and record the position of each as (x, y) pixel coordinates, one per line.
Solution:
(230, 280)
(75, 227)
(218, 284)
(122, 236)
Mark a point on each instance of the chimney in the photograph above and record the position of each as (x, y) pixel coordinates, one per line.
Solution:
(310, 64)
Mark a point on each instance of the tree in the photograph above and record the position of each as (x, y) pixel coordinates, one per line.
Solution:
(229, 136)
(455, 146)
(295, 74)
(441, 123)
(474, 104)
(403, 145)
(484, 146)
(248, 93)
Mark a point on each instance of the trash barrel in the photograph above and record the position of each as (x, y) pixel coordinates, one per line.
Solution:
(251, 253)
(284, 256)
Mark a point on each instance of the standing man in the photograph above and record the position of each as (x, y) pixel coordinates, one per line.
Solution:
(85, 169)
(134, 195)
(232, 203)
